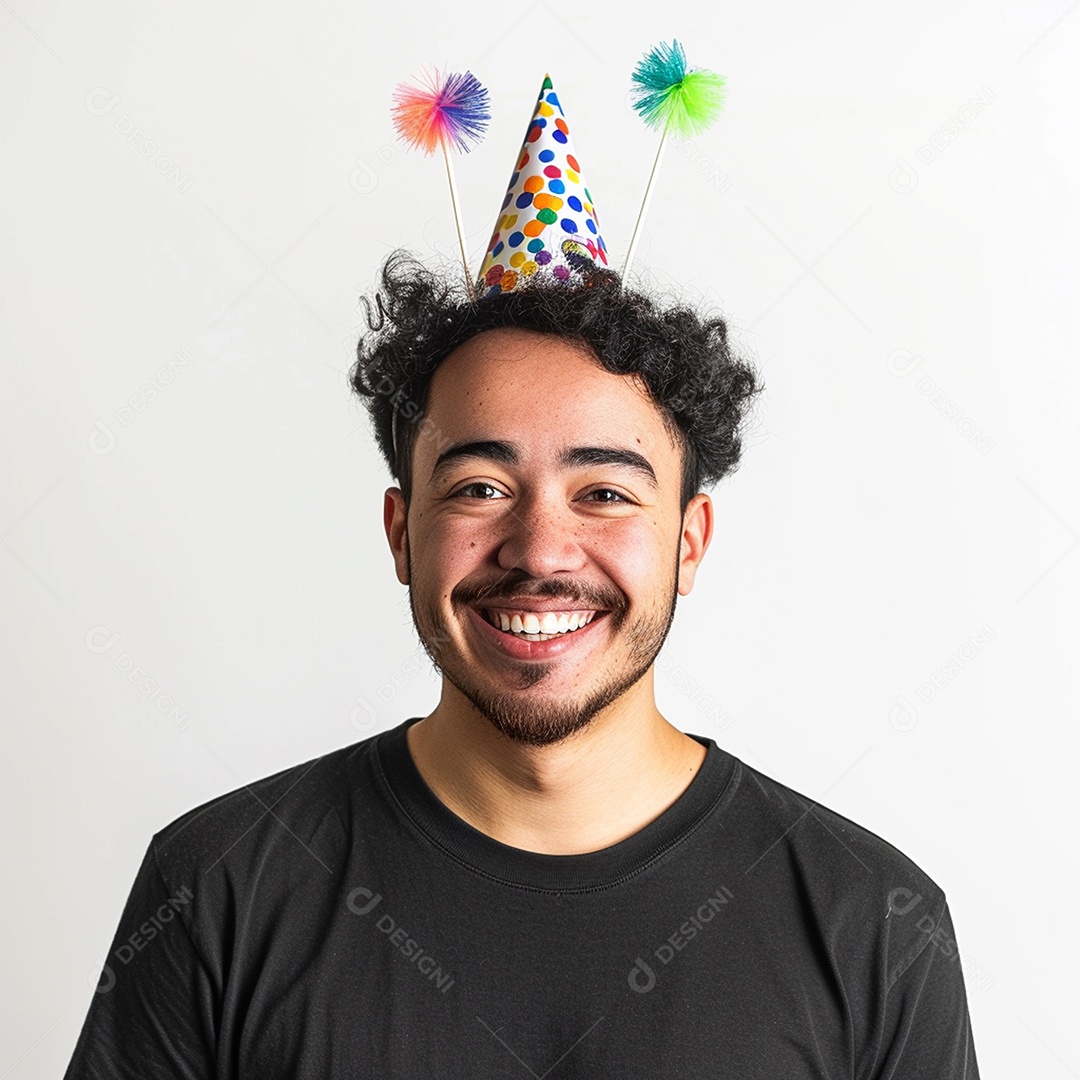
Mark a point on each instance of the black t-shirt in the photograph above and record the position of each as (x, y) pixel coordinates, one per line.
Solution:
(338, 920)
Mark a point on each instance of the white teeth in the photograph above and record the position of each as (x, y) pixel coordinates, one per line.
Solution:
(540, 626)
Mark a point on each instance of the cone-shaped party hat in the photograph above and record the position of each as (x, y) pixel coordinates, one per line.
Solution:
(547, 224)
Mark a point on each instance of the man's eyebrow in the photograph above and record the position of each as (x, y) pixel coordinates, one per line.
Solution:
(504, 453)
(581, 456)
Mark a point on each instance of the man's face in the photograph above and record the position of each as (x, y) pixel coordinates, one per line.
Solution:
(545, 496)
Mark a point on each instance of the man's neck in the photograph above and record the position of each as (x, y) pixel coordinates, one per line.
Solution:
(592, 790)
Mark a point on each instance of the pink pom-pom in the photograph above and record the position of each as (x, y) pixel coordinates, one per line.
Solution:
(450, 109)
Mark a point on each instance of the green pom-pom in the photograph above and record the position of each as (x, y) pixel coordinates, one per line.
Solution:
(668, 96)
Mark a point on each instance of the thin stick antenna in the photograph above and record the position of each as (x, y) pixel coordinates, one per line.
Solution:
(645, 201)
(457, 221)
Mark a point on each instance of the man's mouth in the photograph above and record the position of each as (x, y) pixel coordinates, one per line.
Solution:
(538, 625)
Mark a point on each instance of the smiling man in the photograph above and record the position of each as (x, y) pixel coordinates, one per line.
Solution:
(544, 876)
(544, 560)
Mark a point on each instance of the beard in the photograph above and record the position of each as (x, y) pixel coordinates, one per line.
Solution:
(528, 719)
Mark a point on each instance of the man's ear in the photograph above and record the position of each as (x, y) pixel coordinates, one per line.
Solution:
(697, 533)
(395, 522)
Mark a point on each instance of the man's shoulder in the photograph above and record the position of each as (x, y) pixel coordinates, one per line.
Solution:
(826, 848)
(310, 802)
(858, 894)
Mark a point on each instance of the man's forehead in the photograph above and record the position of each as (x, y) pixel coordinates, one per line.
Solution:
(511, 372)
(547, 397)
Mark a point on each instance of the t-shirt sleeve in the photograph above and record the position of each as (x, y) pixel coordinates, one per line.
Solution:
(925, 1028)
(153, 1009)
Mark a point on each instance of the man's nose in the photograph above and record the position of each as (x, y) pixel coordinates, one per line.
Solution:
(541, 537)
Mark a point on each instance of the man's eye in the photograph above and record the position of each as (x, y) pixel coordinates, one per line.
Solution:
(606, 495)
(479, 490)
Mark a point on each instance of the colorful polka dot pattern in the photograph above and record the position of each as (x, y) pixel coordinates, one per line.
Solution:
(547, 223)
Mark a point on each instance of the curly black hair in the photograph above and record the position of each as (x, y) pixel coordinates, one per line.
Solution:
(417, 318)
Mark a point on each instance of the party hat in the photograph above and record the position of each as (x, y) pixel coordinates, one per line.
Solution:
(547, 223)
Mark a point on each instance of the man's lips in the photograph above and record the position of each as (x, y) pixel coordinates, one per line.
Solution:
(520, 648)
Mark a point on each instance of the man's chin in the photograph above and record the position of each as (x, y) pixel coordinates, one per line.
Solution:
(543, 715)
(536, 721)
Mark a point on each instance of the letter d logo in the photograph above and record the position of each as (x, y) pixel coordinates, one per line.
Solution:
(362, 893)
(635, 980)
(101, 979)
(908, 898)
(903, 716)
(903, 179)
(901, 363)
(363, 179)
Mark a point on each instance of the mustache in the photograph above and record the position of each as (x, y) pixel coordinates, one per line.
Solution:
(577, 594)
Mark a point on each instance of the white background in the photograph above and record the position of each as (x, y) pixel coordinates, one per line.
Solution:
(190, 497)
